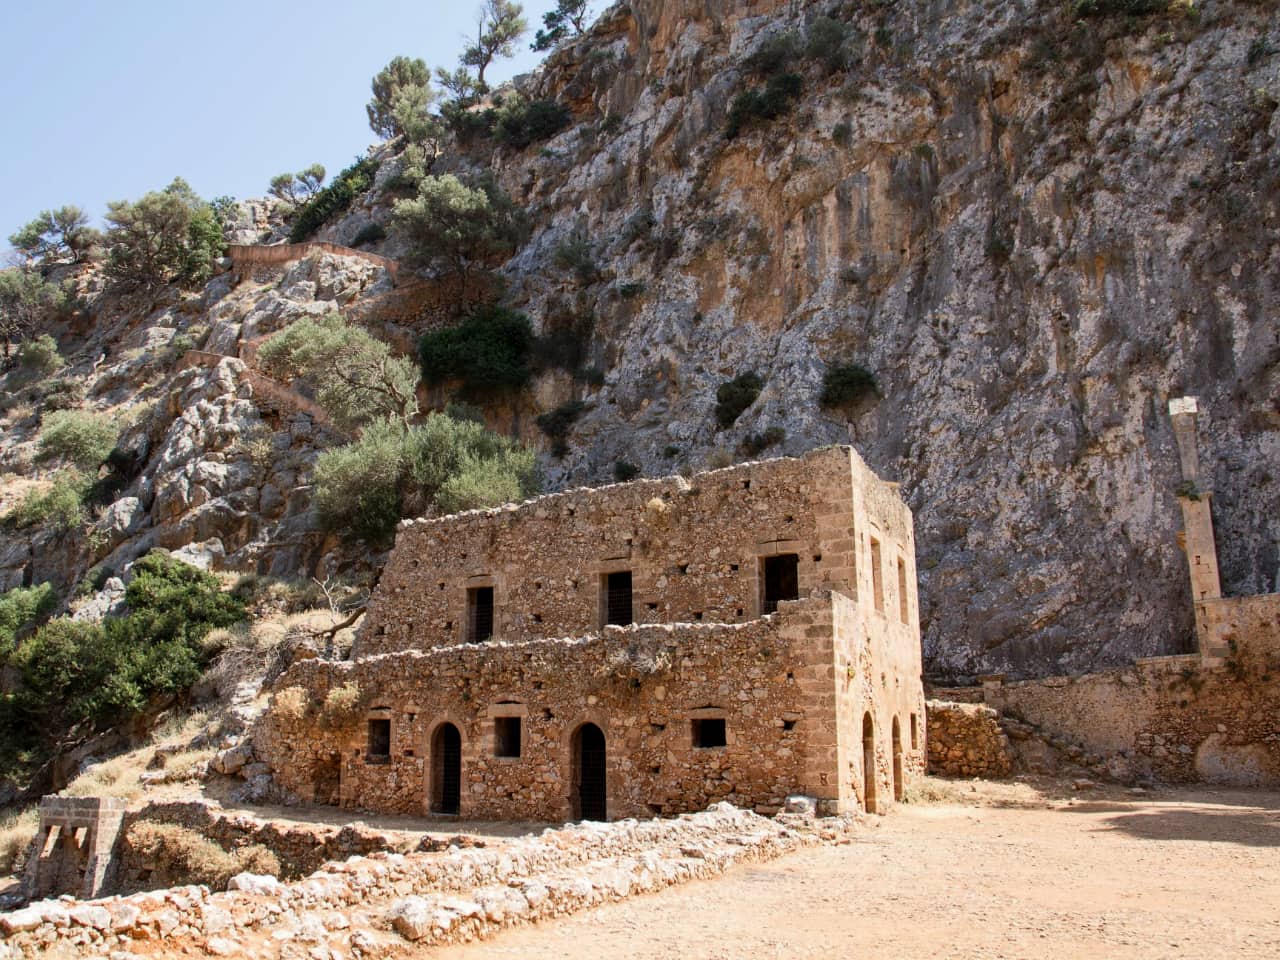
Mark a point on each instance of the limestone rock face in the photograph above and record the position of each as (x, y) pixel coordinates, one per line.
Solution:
(1034, 231)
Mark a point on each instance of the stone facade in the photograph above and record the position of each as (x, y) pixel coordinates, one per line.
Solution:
(639, 649)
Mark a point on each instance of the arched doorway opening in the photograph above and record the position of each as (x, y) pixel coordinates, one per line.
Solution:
(588, 797)
(869, 800)
(897, 760)
(446, 769)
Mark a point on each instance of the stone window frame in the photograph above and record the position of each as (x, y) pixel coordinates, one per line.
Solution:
(876, 550)
(904, 588)
(499, 710)
(710, 713)
(774, 548)
(379, 713)
(470, 583)
(601, 570)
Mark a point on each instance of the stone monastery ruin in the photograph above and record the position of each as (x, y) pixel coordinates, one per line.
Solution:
(638, 649)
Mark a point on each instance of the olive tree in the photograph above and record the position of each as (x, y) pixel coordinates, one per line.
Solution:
(454, 227)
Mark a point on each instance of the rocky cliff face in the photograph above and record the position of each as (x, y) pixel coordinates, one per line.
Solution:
(1034, 230)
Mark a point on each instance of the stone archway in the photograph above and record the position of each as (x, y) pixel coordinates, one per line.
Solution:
(446, 769)
(589, 798)
(869, 800)
(898, 786)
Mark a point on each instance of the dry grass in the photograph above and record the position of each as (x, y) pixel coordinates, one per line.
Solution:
(178, 855)
(342, 705)
(118, 777)
(17, 830)
(291, 703)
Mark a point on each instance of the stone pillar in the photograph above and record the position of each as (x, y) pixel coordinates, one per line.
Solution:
(1197, 520)
(75, 850)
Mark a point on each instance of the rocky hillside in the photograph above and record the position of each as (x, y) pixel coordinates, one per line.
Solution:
(1031, 226)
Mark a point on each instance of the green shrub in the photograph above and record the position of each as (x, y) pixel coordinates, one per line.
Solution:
(40, 355)
(774, 55)
(334, 199)
(756, 443)
(61, 393)
(364, 488)
(629, 291)
(754, 107)
(842, 133)
(575, 254)
(825, 42)
(369, 233)
(20, 608)
(69, 672)
(734, 396)
(355, 375)
(60, 508)
(519, 122)
(83, 439)
(505, 477)
(624, 471)
(847, 385)
(488, 352)
(557, 422)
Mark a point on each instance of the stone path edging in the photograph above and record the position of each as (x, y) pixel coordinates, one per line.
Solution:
(373, 906)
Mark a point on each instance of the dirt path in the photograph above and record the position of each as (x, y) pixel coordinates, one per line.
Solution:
(1182, 874)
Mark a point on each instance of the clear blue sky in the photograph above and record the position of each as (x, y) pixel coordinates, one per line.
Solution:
(105, 101)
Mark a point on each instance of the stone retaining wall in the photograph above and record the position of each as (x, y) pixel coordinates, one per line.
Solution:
(301, 848)
(269, 254)
(965, 740)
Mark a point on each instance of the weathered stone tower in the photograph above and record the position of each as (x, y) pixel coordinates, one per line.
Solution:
(1225, 627)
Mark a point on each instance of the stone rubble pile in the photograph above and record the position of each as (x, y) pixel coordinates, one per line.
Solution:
(370, 906)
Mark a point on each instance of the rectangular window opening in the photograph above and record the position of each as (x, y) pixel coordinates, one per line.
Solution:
(709, 732)
(877, 576)
(915, 736)
(781, 581)
(506, 737)
(904, 612)
(379, 741)
(617, 597)
(479, 614)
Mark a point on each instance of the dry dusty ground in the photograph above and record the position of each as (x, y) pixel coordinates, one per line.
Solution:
(994, 871)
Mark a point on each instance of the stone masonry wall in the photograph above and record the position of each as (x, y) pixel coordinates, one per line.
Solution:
(1243, 629)
(1171, 718)
(643, 686)
(694, 549)
(965, 740)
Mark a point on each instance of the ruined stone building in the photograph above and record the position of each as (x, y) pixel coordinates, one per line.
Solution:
(638, 649)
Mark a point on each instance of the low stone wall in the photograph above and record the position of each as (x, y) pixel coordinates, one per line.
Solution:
(301, 848)
(263, 386)
(1175, 719)
(965, 740)
(372, 906)
(268, 254)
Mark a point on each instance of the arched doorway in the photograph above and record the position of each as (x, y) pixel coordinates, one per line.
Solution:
(588, 797)
(869, 801)
(897, 760)
(446, 769)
